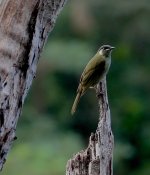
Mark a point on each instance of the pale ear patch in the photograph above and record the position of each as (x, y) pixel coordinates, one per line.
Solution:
(101, 52)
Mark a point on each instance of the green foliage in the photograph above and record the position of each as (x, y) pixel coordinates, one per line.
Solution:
(44, 149)
(48, 135)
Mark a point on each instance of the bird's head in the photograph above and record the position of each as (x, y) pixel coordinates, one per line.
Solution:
(105, 50)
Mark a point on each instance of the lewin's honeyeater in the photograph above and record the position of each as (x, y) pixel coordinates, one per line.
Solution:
(95, 71)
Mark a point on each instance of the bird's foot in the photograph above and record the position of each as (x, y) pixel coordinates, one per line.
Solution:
(99, 94)
(99, 91)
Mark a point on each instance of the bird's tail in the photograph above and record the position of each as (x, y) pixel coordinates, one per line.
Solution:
(75, 104)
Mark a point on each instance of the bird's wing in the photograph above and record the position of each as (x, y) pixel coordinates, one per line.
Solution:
(92, 74)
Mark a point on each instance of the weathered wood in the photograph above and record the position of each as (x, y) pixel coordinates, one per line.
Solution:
(97, 159)
(24, 28)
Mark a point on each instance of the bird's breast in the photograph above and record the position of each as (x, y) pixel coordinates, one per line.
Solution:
(107, 64)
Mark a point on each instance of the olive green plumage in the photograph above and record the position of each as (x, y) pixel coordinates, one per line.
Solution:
(94, 71)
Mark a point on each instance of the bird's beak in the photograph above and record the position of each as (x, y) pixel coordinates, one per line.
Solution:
(112, 48)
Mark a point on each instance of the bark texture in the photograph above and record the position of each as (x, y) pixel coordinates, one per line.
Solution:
(97, 159)
(24, 28)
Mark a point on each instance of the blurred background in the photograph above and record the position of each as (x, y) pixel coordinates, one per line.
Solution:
(47, 134)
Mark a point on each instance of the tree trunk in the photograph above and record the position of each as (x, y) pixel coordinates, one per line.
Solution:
(24, 28)
(97, 159)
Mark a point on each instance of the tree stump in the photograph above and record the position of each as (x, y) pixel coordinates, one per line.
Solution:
(97, 159)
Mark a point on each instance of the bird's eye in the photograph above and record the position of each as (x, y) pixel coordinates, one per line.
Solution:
(106, 48)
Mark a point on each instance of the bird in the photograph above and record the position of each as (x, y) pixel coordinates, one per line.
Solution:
(94, 72)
